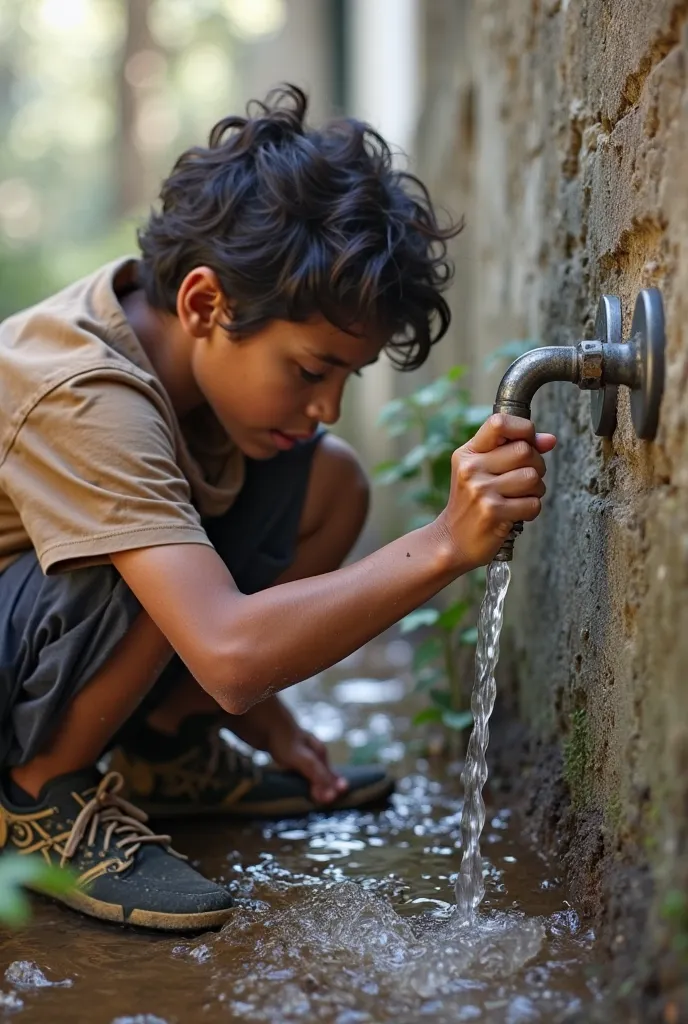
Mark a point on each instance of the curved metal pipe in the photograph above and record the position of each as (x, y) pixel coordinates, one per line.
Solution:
(515, 393)
(589, 364)
(600, 366)
(530, 371)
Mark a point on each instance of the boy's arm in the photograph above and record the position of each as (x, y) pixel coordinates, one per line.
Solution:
(242, 647)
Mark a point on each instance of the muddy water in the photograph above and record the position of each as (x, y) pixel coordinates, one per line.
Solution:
(341, 918)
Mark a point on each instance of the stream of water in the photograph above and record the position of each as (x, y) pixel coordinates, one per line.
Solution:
(470, 887)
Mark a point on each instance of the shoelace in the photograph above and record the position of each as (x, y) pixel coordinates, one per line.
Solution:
(119, 818)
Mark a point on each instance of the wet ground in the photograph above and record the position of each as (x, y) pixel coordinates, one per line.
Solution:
(342, 918)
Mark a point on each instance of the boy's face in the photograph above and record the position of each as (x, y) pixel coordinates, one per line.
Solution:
(273, 389)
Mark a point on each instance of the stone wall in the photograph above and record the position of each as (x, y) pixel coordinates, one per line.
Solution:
(560, 129)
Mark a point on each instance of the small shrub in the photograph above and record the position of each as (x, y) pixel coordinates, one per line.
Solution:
(437, 419)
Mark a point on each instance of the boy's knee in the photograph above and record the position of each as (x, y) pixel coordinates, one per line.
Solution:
(343, 472)
(338, 492)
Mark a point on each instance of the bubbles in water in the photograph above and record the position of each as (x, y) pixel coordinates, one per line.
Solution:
(140, 1018)
(338, 938)
(10, 1003)
(25, 974)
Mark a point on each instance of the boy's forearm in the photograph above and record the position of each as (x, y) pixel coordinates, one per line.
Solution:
(279, 636)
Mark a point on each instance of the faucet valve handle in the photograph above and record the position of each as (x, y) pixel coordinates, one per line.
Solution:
(637, 363)
(648, 336)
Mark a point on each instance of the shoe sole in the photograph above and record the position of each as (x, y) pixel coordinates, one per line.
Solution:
(366, 796)
(155, 919)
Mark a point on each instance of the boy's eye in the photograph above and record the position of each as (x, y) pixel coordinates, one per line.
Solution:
(311, 378)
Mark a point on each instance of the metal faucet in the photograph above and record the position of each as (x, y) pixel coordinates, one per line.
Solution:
(598, 366)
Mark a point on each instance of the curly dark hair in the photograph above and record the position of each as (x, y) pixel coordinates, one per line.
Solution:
(296, 222)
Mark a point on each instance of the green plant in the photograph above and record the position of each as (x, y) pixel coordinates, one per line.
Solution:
(439, 417)
(674, 911)
(20, 870)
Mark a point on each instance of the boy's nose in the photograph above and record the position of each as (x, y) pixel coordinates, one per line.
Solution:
(326, 407)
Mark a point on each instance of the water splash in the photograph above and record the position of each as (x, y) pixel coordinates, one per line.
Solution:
(332, 948)
(429, 956)
(470, 887)
(25, 974)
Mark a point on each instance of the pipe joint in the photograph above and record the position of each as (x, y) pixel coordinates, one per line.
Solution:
(599, 366)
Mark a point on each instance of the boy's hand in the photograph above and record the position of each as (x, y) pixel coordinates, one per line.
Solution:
(270, 726)
(304, 753)
(496, 482)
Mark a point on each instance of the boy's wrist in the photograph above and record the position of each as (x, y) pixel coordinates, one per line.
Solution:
(449, 560)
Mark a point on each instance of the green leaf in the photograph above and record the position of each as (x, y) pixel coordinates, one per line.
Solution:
(368, 752)
(420, 617)
(421, 520)
(509, 351)
(451, 616)
(427, 496)
(54, 881)
(384, 467)
(427, 652)
(398, 429)
(674, 906)
(433, 498)
(14, 907)
(457, 720)
(449, 417)
(414, 459)
(439, 447)
(392, 472)
(439, 426)
(389, 472)
(23, 869)
(440, 473)
(431, 714)
(456, 373)
(432, 394)
(17, 871)
(477, 414)
(394, 412)
(479, 576)
(442, 698)
(469, 637)
(427, 678)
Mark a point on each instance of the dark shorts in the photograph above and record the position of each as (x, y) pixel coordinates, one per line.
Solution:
(57, 631)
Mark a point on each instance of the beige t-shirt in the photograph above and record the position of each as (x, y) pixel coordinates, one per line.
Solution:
(93, 458)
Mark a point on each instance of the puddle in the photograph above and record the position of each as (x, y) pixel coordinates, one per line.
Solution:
(342, 918)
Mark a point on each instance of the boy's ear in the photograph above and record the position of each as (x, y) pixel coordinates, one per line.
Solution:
(200, 302)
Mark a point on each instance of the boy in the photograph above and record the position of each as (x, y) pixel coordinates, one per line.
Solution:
(173, 517)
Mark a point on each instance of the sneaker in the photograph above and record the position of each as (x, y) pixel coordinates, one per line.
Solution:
(210, 777)
(124, 871)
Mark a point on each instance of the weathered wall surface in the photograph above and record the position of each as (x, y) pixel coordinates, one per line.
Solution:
(562, 134)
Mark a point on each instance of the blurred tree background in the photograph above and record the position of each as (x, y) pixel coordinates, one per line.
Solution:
(97, 97)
